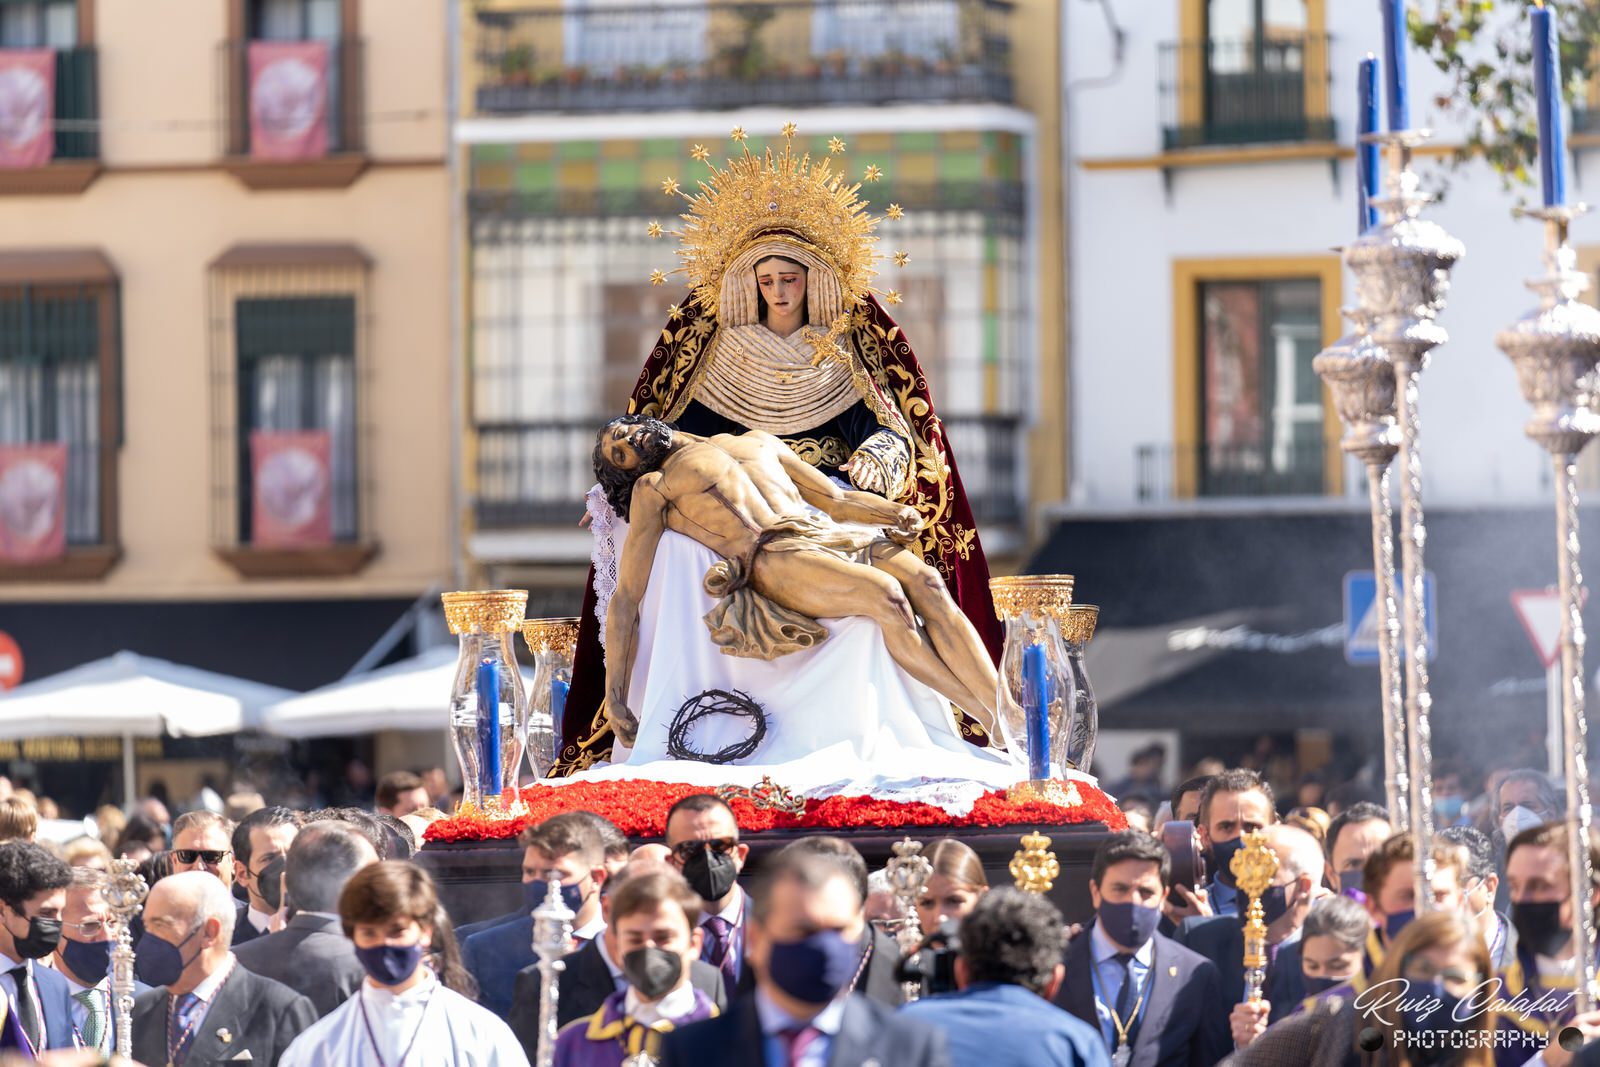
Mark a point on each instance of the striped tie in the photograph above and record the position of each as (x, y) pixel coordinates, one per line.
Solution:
(94, 1025)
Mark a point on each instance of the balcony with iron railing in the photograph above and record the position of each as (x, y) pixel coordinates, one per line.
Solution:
(344, 114)
(1166, 472)
(1231, 92)
(718, 55)
(536, 473)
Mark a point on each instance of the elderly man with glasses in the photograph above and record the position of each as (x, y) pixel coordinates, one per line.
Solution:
(704, 839)
(83, 958)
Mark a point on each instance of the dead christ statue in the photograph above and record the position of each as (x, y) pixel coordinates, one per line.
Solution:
(784, 564)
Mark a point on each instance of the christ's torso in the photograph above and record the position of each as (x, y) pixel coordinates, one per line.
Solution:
(723, 491)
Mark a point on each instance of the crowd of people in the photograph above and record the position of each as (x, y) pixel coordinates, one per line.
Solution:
(312, 938)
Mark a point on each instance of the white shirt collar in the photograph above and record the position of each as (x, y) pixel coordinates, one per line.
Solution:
(605, 956)
(1105, 950)
(774, 1020)
(590, 930)
(213, 981)
(672, 1007)
(261, 920)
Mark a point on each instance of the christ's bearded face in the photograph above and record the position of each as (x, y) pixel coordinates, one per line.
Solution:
(625, 450)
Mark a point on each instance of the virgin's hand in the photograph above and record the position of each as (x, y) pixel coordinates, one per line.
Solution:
(865, 474)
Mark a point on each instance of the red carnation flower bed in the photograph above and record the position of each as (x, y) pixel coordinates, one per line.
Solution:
(639, 808)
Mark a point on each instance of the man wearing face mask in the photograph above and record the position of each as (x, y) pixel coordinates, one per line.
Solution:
(704, 839)
(594, 972)
(83, 958)
(1233, 803)
(1543, 973)
(403, 1013)
(569, 845)
(1295, 886)
(654, 919)
(208, 1008)
(1391, 892)
(1354, 835)
(804, 945)
(260, 843)
(1523, 799)
(1154, 1002)
(33, 886)
(1480, 884)
(311, 955)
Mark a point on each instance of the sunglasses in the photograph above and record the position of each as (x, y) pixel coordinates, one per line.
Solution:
(685, 850)
(212, 856)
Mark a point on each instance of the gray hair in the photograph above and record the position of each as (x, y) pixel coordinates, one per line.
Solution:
(1339, 918)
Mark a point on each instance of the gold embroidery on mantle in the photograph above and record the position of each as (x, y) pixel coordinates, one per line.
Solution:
(828, 452)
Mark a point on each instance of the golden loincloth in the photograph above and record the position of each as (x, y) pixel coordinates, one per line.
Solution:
(746, 624)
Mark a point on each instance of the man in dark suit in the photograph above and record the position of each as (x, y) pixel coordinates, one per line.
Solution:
(223, 1011)
(1154, 1002)
(804, 946)
(1295, 887)
(33, 893)
(566, 843)
(260, 843)
(1008, 968)
(311, 955)
(703, 837)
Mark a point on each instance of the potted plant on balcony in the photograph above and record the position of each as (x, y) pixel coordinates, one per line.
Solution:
(516, 66)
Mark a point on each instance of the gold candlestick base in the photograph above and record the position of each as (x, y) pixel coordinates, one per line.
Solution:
(1045, 791)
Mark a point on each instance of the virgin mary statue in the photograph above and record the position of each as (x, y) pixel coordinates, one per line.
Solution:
(782, 331)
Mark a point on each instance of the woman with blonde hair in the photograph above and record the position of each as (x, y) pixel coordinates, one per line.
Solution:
(952, 891)
(1421, 1008)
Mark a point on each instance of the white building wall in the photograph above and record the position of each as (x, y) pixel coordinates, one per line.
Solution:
(1126, 231)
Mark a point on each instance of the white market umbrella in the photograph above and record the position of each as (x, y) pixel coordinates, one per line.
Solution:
(130, 695)
(412, 695)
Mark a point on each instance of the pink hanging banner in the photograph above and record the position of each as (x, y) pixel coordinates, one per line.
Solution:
(288, 100)
(33, 502)
(292, 479)
(27, 107)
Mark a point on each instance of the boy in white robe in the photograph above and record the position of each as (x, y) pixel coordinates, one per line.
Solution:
(402, 1013)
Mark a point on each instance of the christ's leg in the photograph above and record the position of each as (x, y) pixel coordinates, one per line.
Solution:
(952, 633)
(823, 586)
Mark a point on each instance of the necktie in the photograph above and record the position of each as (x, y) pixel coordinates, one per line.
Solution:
(717, 946)
(1125, 994)
(94, 1024)
(178, 1039)
(796, 1040)
(27, 1011)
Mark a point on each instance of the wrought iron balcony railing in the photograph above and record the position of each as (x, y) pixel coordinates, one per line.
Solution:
(1164, 472)
(536, 473)
(721, 54)
(1229, 92)
(77, 104)
(346, 112)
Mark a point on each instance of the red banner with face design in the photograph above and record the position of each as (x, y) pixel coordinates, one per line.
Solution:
(27, 107)
(292, 483)
(288, 99)
(33, 502)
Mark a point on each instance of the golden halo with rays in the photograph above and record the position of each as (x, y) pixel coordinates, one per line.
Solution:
(768, 192)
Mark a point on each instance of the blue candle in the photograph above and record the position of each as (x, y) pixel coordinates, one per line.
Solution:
(1394, 63)
(1367, 154)
(558, 705)
(1547, 81)
(1036, 710)
(489, 779)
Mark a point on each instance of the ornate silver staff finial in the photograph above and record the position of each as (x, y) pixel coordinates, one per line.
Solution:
(1555, 349)
(1360, 376)
(908, 873)
(125, 893)
(1402, 269)
(552, 940)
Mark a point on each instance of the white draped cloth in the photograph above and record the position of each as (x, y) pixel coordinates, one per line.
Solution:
(441, 1028)
(842, 718)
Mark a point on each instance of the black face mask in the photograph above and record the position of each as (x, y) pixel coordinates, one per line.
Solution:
(269, 884)
(652, 971)
(1539, 926)
(710, 873)
(43, 937)
(1274, 903)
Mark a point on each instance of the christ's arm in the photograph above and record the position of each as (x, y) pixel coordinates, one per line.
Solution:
(646, 521)
(846, 505)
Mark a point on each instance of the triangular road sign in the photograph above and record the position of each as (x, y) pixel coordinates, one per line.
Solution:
(1540, 612)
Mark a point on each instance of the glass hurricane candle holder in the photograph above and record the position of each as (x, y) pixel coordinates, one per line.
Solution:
(552, 643)
(488, 709)
(1076, 744)
(1037, 691)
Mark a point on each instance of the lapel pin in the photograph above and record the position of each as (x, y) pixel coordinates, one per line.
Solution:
(1172, 972)
(226, 1035)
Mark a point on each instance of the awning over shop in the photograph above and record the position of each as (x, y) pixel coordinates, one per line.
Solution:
(413, 694)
